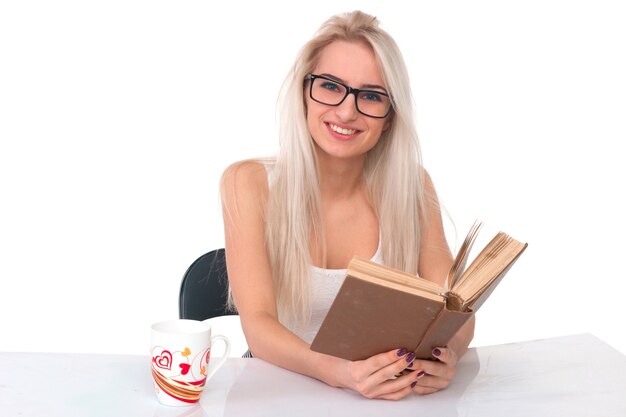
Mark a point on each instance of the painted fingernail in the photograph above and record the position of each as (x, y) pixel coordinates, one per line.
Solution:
(401, 352)
(410, 365)
(413, 384)
(436, 352)
(410, 357)
(420, 374)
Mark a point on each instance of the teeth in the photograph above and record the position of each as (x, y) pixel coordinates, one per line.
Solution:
(342, 131)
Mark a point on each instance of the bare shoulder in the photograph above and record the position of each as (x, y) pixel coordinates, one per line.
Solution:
(247, 176)
(244, 189)
(430, 194)
(427, 180)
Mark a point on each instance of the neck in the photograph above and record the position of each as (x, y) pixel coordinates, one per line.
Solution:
(340, 178)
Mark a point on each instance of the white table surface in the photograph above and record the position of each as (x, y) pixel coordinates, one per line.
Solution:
(566, 376)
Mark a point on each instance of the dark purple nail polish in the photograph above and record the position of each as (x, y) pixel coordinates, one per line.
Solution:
(436, 352)
(413, 384)
(401, 352)
(420, 374)
(410, 365)
(410, 357)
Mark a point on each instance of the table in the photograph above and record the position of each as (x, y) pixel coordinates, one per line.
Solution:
(571, 376)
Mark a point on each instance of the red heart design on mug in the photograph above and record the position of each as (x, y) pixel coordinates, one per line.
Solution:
(164, 360)
(185, 368)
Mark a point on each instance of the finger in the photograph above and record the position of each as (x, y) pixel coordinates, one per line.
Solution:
(419, 388)
(397, 395)
(384, 359)
(394, 370)
(371, 380)
(435, 368)
(424, 390)
(409, 368)
(445, 355)
(396, 362)
(435, 382)
(367, 367)
(394, 388)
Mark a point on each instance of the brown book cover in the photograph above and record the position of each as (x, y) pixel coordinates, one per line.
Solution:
(379, 308)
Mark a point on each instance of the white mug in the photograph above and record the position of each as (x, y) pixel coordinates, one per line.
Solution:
(180, 351)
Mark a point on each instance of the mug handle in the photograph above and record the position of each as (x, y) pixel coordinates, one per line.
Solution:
(221, 362)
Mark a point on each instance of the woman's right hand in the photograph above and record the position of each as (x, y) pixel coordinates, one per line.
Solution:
(375, 377)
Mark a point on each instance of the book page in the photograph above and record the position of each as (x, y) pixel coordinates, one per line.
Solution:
(400, 286)
(460, 260)
(488, 266)
(384, 275)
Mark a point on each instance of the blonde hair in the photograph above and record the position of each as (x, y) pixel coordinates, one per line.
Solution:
(393, 172)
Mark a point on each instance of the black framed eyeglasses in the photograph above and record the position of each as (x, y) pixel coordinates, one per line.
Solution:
(325, 90)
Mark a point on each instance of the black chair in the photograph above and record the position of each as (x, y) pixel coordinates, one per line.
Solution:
(204, 288)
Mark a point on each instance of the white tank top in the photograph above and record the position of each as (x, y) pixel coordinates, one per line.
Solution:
(325, 284)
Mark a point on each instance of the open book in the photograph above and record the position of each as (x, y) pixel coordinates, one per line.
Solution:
(378, 308)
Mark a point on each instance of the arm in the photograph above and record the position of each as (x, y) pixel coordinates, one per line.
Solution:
(244, 194)
(435, 262)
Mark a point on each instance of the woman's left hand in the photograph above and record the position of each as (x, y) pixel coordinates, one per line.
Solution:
(437, 373)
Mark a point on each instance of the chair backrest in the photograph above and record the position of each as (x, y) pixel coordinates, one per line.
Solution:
(204, 288)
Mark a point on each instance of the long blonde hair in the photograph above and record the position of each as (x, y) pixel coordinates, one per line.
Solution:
(393, 172)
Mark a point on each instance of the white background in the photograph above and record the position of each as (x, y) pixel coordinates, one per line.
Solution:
(118, 117)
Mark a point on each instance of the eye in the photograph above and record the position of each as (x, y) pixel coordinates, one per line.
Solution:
(371, 96)
(330, 86)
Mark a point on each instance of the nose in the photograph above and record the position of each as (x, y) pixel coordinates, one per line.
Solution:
(347, 111)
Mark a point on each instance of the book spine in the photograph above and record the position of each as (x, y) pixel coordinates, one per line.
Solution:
(441, 330)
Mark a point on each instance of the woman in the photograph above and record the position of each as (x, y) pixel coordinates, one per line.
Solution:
(347, 181)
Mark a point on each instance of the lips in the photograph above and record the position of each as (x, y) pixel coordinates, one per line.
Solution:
(342, 131)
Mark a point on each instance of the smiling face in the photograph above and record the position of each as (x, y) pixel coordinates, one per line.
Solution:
(341, 131)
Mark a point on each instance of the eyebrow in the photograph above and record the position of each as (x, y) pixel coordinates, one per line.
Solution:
(364, 86)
